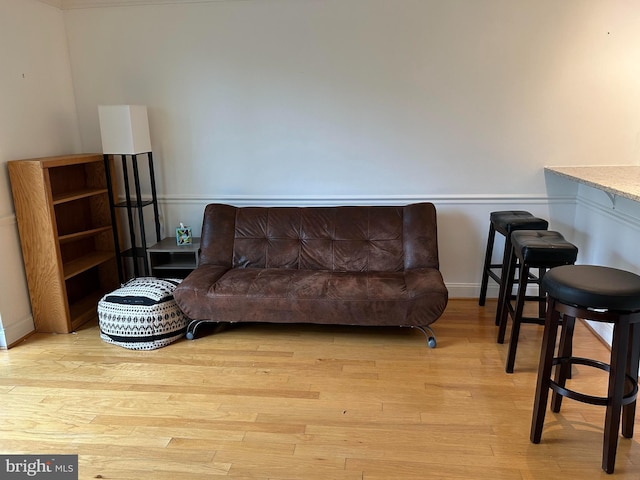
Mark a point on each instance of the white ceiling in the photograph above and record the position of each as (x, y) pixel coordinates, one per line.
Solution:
(71, 4)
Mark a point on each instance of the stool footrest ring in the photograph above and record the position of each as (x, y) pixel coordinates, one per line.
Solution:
(629, 397)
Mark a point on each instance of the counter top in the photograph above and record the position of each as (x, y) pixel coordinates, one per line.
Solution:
(623, 180)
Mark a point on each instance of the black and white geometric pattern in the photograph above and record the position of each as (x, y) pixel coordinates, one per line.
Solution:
(142, 314)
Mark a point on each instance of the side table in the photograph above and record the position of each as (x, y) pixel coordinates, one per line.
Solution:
(167, 259)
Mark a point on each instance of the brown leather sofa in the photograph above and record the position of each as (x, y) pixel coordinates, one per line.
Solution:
(362, 265)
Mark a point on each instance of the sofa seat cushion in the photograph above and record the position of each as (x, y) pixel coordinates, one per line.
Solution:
(406, 298)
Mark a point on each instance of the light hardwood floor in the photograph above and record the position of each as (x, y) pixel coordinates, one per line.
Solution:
(304, 402)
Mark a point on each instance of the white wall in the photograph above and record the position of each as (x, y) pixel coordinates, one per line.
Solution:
(366, 97)
(37, 118)
(461, 102)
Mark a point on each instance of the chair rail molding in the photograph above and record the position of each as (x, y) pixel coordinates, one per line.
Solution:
(75, 4)
(333, 200)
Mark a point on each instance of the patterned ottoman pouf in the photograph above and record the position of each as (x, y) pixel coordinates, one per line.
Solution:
(142, 314)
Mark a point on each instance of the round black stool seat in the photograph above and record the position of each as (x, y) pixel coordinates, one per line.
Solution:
(594, 286)
(504, 222)
(600, 294)
(541, 249)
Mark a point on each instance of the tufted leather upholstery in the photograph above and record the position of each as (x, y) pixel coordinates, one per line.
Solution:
(374, 265)
(347, 239)
(543, 248)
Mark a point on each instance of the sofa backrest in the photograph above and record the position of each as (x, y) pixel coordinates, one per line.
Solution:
(360, 238)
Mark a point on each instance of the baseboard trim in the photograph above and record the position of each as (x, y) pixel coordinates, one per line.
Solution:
(15, 333)
(467, 290)
(8, 220)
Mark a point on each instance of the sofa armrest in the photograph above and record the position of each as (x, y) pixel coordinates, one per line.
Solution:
(193, 289)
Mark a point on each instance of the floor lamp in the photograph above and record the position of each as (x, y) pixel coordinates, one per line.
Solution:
(125, 132)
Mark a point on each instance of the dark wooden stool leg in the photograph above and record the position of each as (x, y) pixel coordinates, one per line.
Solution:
(508, 280)
(517, 317)
(552, 319)
(617, 372)
(504, 291)
(487, 263)
(563, 371)
(542, 301)
(629, 411)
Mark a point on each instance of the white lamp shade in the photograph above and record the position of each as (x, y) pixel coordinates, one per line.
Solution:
(124, 129)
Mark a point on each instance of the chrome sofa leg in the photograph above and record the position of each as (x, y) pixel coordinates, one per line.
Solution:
(194, 324)
(191, 329)
(429, 334)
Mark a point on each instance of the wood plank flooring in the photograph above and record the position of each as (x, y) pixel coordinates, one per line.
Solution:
(304, 402)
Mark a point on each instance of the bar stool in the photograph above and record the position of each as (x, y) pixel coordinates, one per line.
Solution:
(504, 222)
(541, 249)
(600, 294)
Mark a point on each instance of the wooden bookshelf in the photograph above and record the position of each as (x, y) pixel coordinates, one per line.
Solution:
(66, 233)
